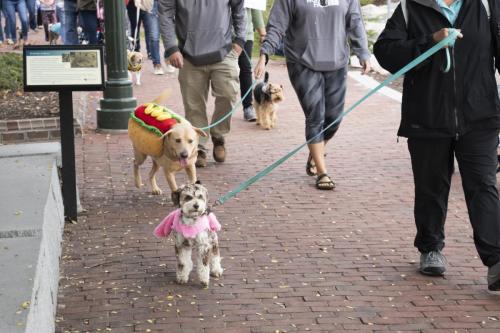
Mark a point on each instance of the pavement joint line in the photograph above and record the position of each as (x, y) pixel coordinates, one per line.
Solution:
(20, 233)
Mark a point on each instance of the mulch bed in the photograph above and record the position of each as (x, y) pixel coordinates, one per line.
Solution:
(396, 84)
(19, 105)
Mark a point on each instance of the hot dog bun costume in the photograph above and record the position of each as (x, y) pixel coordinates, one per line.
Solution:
(147, 124)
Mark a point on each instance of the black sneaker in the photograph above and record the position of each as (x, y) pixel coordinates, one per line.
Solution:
(432, 263)
(494, 279)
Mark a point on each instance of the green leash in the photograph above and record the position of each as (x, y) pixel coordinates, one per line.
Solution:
(448, 41)
(236, 106)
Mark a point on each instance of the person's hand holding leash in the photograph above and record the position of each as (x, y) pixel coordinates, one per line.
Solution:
(176, 60)
(443, 33)
(260, 68)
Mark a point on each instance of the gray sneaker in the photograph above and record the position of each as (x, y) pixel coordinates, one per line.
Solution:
(432, 263)
(494, 279)
(249, 114)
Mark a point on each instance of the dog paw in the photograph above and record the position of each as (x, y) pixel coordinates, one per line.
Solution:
(138, 83)
(181, 280)
(157, 191)
(204, 284)
(216, 273)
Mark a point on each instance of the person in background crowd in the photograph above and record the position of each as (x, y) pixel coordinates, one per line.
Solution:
(255, 21)
(32, 14)
(6, 28)
(134, 24)
(60, 16)
(19, 6)
(88, 13)
(149, 15)
(48, 10)
(70, 30)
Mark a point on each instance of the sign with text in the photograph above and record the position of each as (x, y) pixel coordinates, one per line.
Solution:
(255, 4)
(56, 68)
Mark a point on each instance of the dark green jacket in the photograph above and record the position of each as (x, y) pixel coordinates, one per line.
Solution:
(86, 5)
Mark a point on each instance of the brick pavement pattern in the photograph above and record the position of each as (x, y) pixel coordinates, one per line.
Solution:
(296, 259)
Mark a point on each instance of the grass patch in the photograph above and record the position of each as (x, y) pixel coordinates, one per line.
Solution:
(11, 71)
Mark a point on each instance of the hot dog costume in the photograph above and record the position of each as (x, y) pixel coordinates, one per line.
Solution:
(147, 124)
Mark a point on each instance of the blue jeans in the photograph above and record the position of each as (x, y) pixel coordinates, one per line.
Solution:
(31, 4)
(1, 28)
(60, 19)
(11, 6)
(69, 24)
(152, 28)
(5, 28)
(89, 24)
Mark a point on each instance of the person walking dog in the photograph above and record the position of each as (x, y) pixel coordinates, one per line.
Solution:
(317, 52)
(211, 36)
(447, 115)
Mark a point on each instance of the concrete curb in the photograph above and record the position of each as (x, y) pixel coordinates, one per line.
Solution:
(370, 83)
(41, 317)
(30, 237)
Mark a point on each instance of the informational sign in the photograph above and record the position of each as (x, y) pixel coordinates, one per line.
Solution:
(64, 69)
(54, 68)
(255, 4)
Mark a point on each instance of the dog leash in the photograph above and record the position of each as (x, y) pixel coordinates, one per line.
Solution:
(240, 101)
(448, 41)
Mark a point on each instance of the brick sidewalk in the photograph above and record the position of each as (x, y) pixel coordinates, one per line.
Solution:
(296, 259)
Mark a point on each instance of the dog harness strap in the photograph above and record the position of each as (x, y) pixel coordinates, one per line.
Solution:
(174, 222)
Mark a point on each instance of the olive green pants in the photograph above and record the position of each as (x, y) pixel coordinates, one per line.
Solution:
(195, 82)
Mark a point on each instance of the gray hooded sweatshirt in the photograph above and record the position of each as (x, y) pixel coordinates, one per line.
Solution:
(316, 32)
(205, 29)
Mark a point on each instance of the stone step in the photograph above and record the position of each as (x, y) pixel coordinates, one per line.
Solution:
(31, 225)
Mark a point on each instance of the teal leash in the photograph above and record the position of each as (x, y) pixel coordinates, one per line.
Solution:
(236, 106)
(448, 41)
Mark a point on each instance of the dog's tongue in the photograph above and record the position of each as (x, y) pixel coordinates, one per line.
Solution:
(183, 161)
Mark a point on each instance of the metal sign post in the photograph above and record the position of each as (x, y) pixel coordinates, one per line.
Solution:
(65, 69)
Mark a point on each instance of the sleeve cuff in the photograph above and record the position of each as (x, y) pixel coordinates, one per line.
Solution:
(364, 56)
(171, 51)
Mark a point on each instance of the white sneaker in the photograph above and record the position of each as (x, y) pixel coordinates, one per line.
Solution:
(158, 70)
(170, 69)
(10, 41)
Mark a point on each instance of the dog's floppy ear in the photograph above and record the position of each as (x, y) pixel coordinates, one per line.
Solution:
(176, 197)
(166, 134)
(200, 132)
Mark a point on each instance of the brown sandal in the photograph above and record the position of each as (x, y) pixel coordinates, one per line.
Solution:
(310, 166)
(322, 184)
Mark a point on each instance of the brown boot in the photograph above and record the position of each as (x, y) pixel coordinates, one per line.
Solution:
(201, 160)
(219, 152)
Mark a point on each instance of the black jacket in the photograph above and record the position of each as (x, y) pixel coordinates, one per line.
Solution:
(437, 104)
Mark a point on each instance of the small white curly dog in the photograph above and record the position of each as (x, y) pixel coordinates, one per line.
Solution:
(193, 226)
